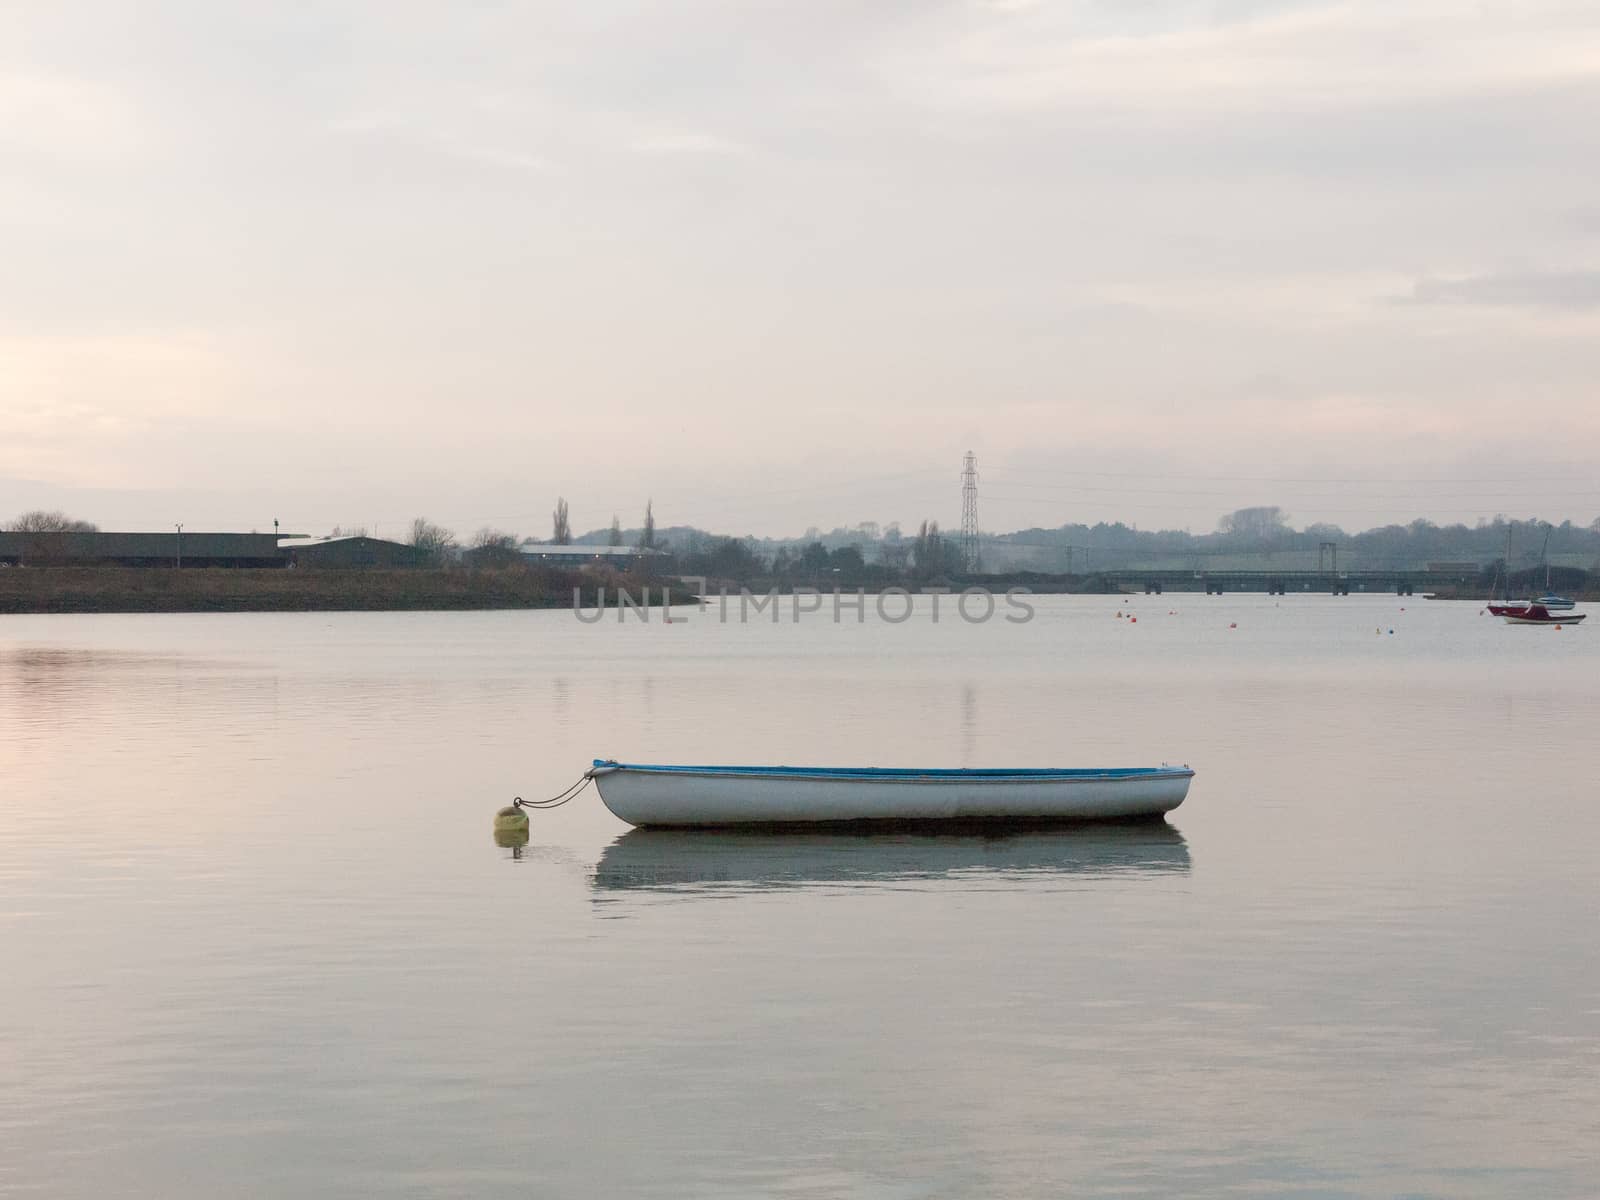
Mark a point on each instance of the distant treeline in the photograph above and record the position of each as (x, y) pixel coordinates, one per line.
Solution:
(873, 553)
(1267, 530)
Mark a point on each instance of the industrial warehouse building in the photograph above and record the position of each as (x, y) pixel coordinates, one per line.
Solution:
(188, 549)
(140, 549)
(623, 558)
(351, 551)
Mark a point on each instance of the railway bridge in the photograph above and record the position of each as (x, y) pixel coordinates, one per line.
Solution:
(1280, 583)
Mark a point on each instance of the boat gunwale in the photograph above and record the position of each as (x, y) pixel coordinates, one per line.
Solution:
(906, 774)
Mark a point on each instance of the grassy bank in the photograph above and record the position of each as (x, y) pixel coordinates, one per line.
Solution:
(134, 589)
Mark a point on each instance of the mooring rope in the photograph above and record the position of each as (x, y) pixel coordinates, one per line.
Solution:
(560, 798)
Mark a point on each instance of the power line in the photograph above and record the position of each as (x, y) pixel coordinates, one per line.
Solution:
(1068, 489)
(1590, 478)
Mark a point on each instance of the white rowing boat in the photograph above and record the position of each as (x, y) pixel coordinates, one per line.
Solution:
(652, 795)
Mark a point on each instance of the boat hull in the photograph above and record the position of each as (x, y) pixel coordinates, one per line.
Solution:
(1546, 619)
(658, 796)
(1532, 608)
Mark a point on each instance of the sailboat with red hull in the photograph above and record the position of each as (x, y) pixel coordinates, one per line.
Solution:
(1548, 609)
(1535, 613)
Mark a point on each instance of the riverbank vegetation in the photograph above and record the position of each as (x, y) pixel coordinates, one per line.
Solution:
(143, 589)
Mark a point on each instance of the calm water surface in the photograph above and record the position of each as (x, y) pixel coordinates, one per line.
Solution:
(257, 940)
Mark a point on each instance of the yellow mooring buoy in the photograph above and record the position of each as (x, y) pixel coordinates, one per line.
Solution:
(511, 824)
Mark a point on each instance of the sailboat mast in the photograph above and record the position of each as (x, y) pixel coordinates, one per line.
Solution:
(1508, 563)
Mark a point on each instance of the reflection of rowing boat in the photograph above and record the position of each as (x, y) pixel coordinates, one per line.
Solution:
(660, 795)
(665, 859)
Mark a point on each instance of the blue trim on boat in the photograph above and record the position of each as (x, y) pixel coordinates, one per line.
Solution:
(904, 772)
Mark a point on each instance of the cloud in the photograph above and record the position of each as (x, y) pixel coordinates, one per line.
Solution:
(1354, 54)
(687, 143)
(70, 406)
(383, 126)
(502, 156)
(1570, 290)
(56, 116)
(1075, 224)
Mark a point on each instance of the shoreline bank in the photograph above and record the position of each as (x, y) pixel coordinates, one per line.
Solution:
(39, 590)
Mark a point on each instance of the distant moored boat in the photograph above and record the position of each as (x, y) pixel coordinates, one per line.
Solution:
(1537, 614)
(654, 795)
(1523, 610)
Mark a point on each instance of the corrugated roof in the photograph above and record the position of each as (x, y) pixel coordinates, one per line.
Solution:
(554, 551)
(195, 544)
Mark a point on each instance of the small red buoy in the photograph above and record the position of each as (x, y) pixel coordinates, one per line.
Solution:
(1135, 621)
(1233, 624)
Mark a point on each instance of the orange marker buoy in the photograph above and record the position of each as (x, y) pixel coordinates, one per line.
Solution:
(1558, 629)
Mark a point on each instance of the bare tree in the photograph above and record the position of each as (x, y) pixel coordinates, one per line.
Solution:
(44, 534)
(40, 521)
(492, 548)
(929, 554)
(647, 535)
(893, 555)
(615, 538)
(562, 534)
(1261, 523)
(433, 540)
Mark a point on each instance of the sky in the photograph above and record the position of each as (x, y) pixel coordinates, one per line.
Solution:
(780, 265)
